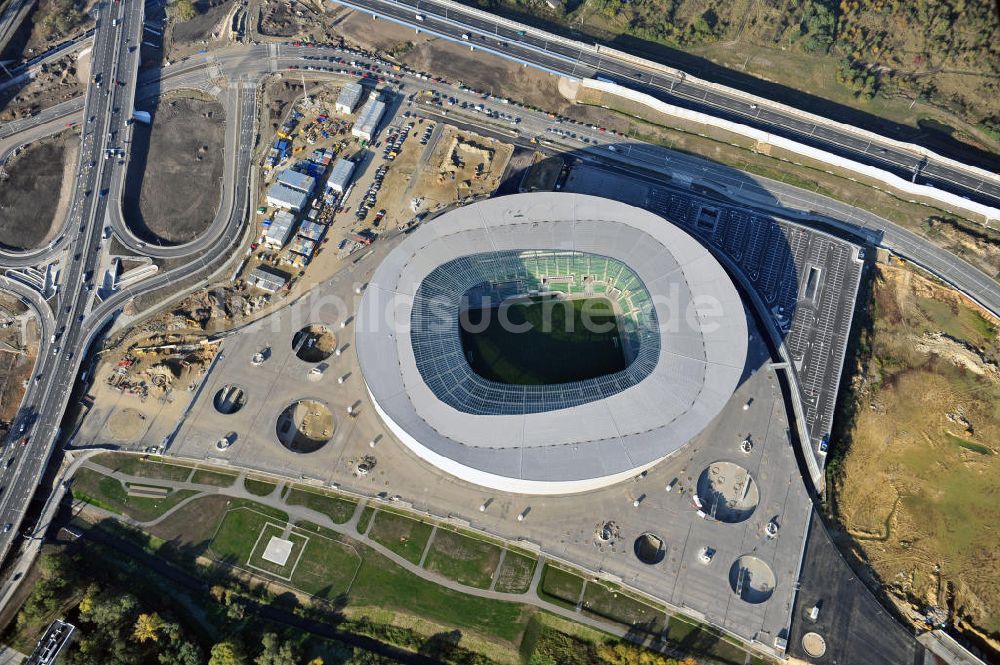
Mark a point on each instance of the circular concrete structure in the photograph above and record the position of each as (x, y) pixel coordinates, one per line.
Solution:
(314, 343)
(814, 645)
(229, 399)
(650, 549)
(751, 579)
(305, 426)
(727, 492)
(682, 329)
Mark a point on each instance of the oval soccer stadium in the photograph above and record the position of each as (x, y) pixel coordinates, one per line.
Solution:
(549, 343)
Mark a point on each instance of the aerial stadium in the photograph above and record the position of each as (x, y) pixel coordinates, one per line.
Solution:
(549, 343)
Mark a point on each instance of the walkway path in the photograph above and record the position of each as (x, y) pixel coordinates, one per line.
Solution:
(297, 513)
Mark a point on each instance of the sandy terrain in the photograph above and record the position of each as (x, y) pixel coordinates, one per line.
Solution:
(181, 152)
(35, 189)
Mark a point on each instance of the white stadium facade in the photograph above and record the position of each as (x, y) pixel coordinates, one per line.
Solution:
(681, 321)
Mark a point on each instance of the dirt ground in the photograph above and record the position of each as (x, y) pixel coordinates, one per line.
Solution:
(279, 93)
(127, 425)
(56, 82)
(209, 18)
(181, 152)
(19, 336)
(916, 488)
(310, 21)
(450, 171)
(35, 187)
(305, 426)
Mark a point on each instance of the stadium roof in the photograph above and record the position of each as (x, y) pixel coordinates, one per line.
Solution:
(698, 360)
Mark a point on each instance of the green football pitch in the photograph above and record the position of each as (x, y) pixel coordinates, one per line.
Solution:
(542, 342)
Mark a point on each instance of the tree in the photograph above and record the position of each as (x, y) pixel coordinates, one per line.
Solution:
(148, 627)
(183, 10)
(226, 653)
(181, 653)
(275, 652)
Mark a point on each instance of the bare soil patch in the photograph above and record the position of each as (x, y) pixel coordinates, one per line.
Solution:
(202, 26)
(174, 183)
(462, 165)
(127, 425)
(31, 190)
(49, 23)
(916, 488)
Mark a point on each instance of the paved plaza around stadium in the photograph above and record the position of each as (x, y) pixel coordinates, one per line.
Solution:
(561, 526)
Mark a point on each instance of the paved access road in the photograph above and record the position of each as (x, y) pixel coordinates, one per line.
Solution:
(11, 19)
(576, 59)
(106, 109)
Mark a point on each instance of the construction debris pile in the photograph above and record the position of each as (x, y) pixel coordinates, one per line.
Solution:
(162, 364)
(213, 309)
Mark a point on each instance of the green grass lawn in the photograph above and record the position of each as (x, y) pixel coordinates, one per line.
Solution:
(147, 466)
(365, 518)
(237, 534)
(515, 573)
(214, 478)
(383, 584)
(698, 640)
(405, 536)
(560, 586)
(558, 335)
(337, 508)
(270, 530)
(612, 604)
(258, 487)
(329, 563)
(463, 558)
(969, 445)
(106, 492)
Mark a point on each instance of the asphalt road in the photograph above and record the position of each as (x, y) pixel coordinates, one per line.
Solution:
(11, 19)
(106, 109)
(576, 59)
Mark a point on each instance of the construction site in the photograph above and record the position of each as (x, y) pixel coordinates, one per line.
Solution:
(462, 166)
(142, 386)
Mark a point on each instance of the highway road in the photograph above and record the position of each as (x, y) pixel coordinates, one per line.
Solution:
(11, 19)
(79, 317)
(106, 109)
(579, 60)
